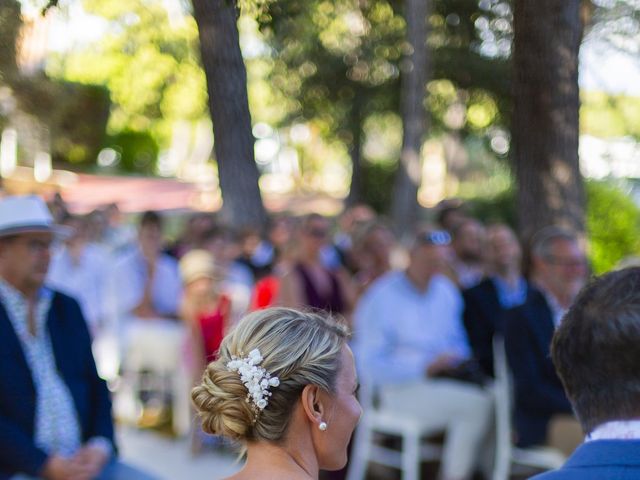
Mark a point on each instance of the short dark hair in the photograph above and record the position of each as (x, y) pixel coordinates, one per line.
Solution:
(596, 349)
(151, 218)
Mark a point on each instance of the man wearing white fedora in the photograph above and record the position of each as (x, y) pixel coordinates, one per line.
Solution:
(55, 412)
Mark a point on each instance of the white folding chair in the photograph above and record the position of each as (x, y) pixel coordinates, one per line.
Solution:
(380, 420)
(507, 455)
(156, 346)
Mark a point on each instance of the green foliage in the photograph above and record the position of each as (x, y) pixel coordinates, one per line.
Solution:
(75, 114)
(613, 223)
(497, 208)
(78, 127)
(603, 115)
(376, 179)
(138, 151)
(148, 62)
(9, 26)
(337, 66)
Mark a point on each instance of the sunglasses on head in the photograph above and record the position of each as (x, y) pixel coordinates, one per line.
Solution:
(436, 237)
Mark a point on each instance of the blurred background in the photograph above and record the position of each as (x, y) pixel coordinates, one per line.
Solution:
(526, 112)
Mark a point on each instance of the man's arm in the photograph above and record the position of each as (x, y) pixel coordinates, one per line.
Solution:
(533, 390)
(479, 330)
(18, 452)
(375, 343)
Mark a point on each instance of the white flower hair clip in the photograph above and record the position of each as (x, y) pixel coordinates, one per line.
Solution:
(257, 380)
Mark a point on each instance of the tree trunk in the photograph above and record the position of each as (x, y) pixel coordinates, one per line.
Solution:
(545, 118)
(229, 107)
(404, 208)
(355, 152)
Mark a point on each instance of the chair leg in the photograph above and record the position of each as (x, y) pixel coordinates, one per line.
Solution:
(411, 461)
(360, 453)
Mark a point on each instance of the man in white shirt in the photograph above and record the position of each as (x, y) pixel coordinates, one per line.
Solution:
(145, 294)
(595, 351)
(408, 337)
(146, 281)
(79, 269)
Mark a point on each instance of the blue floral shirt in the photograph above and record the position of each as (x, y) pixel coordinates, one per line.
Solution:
(57, 428)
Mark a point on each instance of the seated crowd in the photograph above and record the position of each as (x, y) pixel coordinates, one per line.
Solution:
(423, 318)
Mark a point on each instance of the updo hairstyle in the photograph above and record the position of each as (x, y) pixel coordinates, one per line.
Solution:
(300, 348)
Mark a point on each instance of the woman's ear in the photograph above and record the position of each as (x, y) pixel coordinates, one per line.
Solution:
(312, 404)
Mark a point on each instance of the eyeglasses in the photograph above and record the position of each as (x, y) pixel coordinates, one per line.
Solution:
(36, 246)
(436, 237)
(566, 262)
(317, 232)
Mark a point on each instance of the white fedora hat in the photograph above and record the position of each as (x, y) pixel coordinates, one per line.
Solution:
(25, 214)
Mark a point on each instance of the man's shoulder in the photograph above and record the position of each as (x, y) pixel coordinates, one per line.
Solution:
(621, 472)
(481, 290)
(600, 459)
(386, 283)
(532, 306)
(443, 285)
(561, 474)
(382, 290)
(63, 300)
(168, 260)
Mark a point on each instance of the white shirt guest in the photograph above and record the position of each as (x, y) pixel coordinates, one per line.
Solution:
(80, 269)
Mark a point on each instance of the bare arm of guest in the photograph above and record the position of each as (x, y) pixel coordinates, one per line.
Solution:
(289, 292)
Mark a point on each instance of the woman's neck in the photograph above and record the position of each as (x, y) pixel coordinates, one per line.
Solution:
(266, 461)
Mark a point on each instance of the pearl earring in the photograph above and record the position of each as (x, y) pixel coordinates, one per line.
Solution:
(322, 426)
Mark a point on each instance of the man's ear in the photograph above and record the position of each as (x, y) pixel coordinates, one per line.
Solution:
(312, 404)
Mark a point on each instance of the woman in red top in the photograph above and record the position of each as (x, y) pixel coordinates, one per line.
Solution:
(203, 308)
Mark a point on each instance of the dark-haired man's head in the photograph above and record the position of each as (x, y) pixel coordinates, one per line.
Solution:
(596, 349)
(503, 249)
(469, 238)
(450, 213)
(150, 234)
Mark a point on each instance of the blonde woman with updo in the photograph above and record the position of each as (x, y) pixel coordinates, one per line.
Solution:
(284, 385)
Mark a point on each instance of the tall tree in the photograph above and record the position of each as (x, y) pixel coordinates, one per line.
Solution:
(340, 63)
(404, 207)
(547, 36)
(229, 106)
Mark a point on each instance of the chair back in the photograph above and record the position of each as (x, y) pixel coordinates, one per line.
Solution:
(503, 406)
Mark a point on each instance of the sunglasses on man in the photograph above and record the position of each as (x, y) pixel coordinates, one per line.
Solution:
(435, 237)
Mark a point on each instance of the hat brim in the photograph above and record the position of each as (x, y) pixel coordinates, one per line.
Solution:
(60, 232)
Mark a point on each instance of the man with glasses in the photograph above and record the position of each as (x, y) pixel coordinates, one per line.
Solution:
(410, 342)
(55, 412)
(543, 414)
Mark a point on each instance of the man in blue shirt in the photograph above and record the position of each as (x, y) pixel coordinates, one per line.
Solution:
(596, 353)
(408, 336)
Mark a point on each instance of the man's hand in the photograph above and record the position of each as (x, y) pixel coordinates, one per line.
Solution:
(145, 311)
(89, 461)
(60, 468)
(442, 363)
